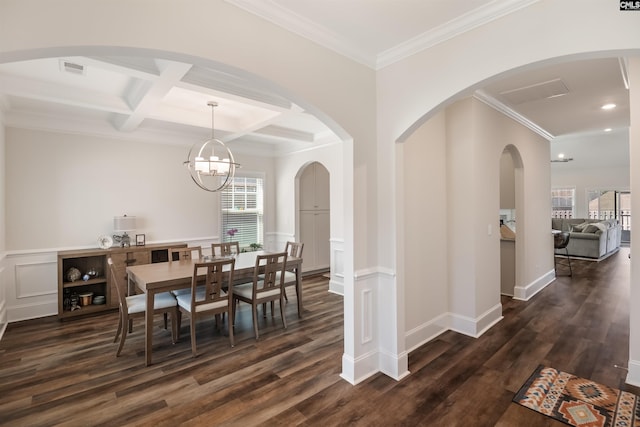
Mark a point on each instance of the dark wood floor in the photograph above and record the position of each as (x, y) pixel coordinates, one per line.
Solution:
(54, 373)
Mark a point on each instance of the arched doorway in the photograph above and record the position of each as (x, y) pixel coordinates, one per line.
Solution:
(314, 217)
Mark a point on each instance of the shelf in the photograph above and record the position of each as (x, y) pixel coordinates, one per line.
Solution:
(93, 308)
(77, 283)
(86, 260)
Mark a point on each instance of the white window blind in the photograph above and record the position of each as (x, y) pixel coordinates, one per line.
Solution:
(242, 211)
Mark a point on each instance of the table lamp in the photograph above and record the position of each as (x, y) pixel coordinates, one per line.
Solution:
(121, 226)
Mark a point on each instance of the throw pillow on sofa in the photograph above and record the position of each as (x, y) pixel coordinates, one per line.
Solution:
(579, 228)
(591, 228)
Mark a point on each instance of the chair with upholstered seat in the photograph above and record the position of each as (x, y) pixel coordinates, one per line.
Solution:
(136, 306)
(266, 286)
(213, 296)
(225, 249)
(561, 241)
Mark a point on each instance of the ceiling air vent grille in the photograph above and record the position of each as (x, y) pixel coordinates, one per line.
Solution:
(72, 67)
(535, 92)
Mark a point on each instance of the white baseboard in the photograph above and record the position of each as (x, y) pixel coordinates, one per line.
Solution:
(357, 370)
(524, 293)
(336, 287)
(32, 311)
(478, 326)
(426, 332)
(389, 364)
(633, 376)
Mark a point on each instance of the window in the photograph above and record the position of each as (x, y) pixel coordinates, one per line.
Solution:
(602, 204)
(562, 202)
(610, 204)
(241, 204)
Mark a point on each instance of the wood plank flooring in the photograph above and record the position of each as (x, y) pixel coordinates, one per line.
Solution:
(66, 373)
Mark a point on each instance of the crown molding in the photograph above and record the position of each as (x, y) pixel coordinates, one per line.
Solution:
(467, 22)
(624, 72)
(307, 28)
(482, 96)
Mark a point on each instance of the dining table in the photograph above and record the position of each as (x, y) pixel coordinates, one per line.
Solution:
(167, 276)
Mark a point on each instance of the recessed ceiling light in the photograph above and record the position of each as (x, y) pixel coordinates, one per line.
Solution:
(561, 156)
(608, 106)
(607, 130)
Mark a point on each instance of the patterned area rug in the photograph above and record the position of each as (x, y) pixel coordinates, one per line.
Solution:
(578, 401)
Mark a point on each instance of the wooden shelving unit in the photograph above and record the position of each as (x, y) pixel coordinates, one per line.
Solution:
(102, 284)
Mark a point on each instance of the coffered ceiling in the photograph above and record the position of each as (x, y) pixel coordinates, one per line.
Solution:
(166, 101)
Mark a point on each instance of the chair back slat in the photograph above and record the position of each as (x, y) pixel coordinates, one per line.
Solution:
(225, 248)
(122, 300)
(185, 253)
(266, 269)
(218, 282)
(561, 240)
(294, 249)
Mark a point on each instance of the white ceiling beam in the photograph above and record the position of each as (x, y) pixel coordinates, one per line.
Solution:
(60, 94)
(145, 96)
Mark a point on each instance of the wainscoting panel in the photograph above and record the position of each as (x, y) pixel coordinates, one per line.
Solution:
(367, 316)
(3, 299)
(336, 282)
(36, 279)
(31, 284)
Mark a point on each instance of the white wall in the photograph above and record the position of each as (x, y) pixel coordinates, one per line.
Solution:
(634, 157)
(424, 222)
(3, 279)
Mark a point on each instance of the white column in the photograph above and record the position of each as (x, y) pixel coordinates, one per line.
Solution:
(633, 69)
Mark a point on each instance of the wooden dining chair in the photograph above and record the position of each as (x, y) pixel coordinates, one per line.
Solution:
(136, 306)
(266, 286)
(293, 249)
(213, 296)
(178, 254)
(225, 249)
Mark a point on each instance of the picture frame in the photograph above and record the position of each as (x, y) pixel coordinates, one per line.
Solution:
(140, 240)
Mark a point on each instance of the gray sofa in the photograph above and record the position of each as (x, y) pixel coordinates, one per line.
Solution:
(590, 238)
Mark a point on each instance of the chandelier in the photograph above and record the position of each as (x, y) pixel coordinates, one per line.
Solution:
(211, 164)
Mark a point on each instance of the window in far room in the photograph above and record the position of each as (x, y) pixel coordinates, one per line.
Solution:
(242, 212)
(611, 204)
(563, 202)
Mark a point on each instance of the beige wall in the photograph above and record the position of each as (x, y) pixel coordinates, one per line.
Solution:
(451, 189)
(63, 190)
(3, 277)
(424, 228)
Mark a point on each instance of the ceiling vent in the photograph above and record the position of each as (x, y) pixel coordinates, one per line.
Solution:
(535, 92)
(72, 67)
